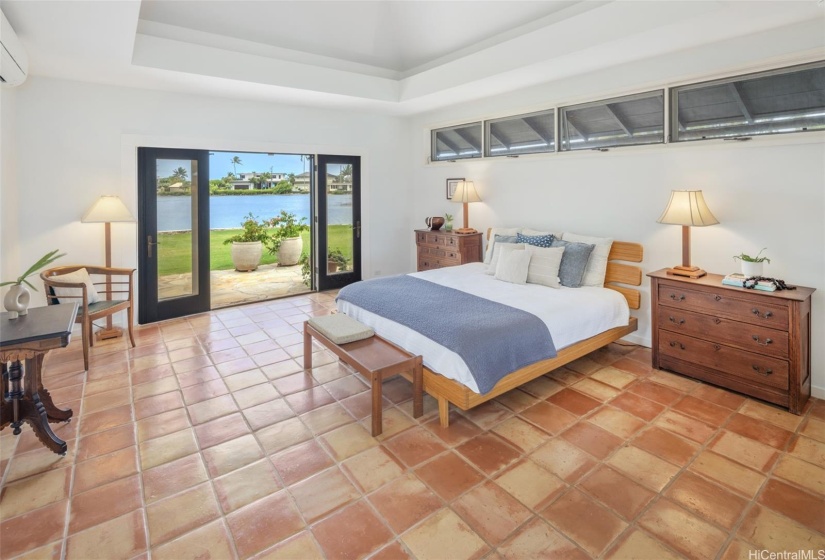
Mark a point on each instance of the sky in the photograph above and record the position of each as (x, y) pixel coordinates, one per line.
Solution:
(220, 163)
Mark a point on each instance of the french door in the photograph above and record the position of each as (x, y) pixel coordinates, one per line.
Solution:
(338, 259)
(173, 275)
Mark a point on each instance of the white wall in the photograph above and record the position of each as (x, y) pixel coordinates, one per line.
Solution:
(769, 192)
(76, 141)
(9, 248)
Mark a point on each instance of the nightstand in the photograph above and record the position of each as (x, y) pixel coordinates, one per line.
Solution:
(437, 249)
(754, 342)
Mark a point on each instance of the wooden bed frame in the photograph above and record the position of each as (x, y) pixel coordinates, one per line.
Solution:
(447, 391)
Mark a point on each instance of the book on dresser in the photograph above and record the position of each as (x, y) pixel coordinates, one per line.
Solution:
(738, 279)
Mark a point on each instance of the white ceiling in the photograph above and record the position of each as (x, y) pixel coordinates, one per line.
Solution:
(389, 56)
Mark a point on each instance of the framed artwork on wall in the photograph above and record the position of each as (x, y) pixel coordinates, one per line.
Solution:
(452, 184)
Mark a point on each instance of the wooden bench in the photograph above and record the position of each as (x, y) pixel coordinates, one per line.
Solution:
(376, 359)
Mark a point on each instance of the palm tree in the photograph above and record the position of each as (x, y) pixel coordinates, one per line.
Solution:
(236, 161)
(266, 177)
(180, 173)
(346, 174)
(291, 178)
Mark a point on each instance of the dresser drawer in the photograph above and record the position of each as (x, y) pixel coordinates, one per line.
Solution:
(753, 310)
(439, 253)
(755, 368)
(755, 338)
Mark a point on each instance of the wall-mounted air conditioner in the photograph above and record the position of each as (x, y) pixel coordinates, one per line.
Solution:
(14, 63)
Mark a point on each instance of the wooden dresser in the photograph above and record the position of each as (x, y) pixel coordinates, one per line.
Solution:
(437, 249)
(754, 342)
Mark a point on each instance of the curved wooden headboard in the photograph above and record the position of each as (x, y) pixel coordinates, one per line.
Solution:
(619, 273)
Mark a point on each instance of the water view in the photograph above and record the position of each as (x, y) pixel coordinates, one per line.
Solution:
(229, 211)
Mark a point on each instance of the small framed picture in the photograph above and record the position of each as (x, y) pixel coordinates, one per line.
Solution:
(452, 184)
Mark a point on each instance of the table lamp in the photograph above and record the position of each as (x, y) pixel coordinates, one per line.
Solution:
(465, 193)
(686, 209)
(106, 210)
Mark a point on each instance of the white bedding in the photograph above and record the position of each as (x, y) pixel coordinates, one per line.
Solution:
(571, 314)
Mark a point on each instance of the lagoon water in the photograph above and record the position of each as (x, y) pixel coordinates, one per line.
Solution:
(229, 211)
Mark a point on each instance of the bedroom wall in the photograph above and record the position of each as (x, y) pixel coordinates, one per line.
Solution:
(76, 141)
(769, 192)
(9, 255)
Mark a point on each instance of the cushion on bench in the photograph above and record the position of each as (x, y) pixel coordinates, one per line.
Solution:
(340, 328)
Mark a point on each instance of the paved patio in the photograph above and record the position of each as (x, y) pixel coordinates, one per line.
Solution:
(230, 287)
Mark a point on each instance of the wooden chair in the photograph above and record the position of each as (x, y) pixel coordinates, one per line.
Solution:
(106, 288)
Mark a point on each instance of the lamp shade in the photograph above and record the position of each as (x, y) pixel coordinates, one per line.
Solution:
(466, 192)
(108, 208)
(687, 208)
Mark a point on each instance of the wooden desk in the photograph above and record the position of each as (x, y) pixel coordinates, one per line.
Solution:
(25, 399)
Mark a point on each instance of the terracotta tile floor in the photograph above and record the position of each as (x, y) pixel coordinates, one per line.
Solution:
(208, 440)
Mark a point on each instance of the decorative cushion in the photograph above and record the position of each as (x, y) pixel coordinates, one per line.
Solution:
(535, 240)
(340, 328)
(501, 248)
(544, 266)
(488, 255)
(573, 262)
(513, 266)
(80, 276)
(597, 265)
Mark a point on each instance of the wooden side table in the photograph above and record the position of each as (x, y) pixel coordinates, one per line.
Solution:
(25, 399)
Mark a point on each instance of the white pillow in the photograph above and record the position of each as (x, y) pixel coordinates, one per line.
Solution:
(535, 233)
(488, 255)
(597, 263)
(513, 266)
(544, 265)
(500, 250)
(80, 276)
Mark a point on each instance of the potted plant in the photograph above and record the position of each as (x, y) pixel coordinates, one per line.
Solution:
(306, 269)
(286, 240)
(448, 225)
(247, 246)
(17, 298)
(752, 266)
(336, 261)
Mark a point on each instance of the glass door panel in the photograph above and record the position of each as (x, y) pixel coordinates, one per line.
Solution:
(339, 221)
(173, 225)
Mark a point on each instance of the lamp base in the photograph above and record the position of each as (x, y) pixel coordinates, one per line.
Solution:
(688, 271)
(106, 334)
(465, 231)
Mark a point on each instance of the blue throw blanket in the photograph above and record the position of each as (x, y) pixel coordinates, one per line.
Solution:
(493, 339)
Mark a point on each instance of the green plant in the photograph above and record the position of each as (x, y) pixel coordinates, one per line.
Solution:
(286, 225)
(253, 230)
(448, 217)
(43, 262)
(337, 257)
(757, 259)
(306, 269)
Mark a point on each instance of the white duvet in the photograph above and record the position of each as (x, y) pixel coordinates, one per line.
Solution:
(571, 314)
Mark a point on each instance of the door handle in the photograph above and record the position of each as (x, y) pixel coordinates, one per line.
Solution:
(149, 245)
(357, 228)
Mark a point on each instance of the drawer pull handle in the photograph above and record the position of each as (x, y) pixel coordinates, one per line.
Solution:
(717, 347)
(717, 320)
(679, 322)
(767, 341)
(765, 315)
(758, 370)
(718, 298)
(674, 344)
(679, 298)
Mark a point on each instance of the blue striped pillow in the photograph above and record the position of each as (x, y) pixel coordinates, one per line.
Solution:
(536, 240)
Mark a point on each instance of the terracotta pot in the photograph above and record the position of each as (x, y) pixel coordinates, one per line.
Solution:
(289, 252)
(246, 256)
(332, 266)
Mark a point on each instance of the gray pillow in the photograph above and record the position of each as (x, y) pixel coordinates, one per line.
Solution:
(573, 262)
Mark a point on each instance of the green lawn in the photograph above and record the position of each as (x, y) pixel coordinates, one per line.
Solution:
(175, 249)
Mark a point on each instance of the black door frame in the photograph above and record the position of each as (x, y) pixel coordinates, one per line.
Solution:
(334, 281)
(150, 309)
